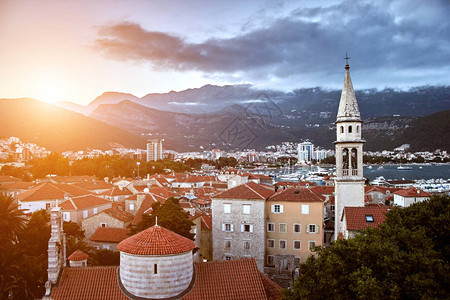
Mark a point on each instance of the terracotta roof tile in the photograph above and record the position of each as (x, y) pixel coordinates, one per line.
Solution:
(51, 191)
(118, 214)
(206, 222)
(297, 195)
(248, 190)
(356, 216)
(156, 240)
(273, 290)
(83, 202)
(110, 235)
(8, 179)
(93, 185)
(233, 279)
(324, 190)
(163, 192)
(116, 191)
(71, 179)
(412, 192)
(78, 255)
(88, 283)
(145, 206)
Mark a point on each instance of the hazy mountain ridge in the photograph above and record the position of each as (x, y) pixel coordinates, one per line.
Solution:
(309, 104)
(59, 129)
(236, 127)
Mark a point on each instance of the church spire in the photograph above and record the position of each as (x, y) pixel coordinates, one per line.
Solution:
(348, 106)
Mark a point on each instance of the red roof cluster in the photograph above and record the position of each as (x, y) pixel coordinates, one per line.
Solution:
(233, 279)
(78, 255)
(297, 195)
(248, 190)
(50, 191)
(88, 283)
(361, 217)
(156, 240)
(83, 202)
(110, 235)
(412, 192)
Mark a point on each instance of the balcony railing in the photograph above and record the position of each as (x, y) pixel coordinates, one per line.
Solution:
(350, 172)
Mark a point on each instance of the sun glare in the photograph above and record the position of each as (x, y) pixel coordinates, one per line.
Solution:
(49, 89)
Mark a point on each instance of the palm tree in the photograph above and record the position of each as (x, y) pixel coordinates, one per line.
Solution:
(12, 219)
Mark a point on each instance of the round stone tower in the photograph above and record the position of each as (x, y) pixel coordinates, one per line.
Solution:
(156, 264)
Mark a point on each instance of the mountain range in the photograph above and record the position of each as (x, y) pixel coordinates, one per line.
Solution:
(232, 117)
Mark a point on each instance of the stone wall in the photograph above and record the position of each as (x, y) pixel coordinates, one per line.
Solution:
(237, 237)
(90, 225)
(173, 276)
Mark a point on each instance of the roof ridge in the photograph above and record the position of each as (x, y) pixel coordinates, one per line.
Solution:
(73, 203)
(254, 191)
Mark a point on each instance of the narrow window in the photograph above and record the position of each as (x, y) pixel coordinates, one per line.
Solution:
(342, 129)
(155, 269)
(349, 129)
(270, 227)
(357, 129)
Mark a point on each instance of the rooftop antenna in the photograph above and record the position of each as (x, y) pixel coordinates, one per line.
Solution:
(156, 221)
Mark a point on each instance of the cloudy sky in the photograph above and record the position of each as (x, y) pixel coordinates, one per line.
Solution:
(76, 50)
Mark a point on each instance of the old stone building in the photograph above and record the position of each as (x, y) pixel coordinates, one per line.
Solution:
(238, 221)
(109, 218)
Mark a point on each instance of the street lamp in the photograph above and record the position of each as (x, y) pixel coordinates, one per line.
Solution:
(138, 163)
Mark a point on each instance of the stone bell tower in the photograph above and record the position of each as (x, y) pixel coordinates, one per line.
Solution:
(349, 181)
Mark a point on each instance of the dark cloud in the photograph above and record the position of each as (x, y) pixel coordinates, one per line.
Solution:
(401, 35)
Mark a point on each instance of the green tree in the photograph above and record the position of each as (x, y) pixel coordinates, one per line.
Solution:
(170, 216)
(405, 258)
(107, 257)
(12, 219)
(72, 229)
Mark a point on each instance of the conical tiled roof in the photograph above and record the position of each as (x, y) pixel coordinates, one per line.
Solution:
(156, 240)
(78, 255)
(348, 106)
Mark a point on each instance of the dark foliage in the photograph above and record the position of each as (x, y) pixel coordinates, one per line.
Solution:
(170, 216)
(406, 258)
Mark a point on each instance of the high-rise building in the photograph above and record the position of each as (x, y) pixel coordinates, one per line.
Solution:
(305, 152)
(349, 181)
(154, 150)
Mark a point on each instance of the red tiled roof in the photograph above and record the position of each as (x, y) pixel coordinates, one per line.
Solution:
(374, 188)
(93, 185)
(71, 179)
(78, 255)
(297, 195)
(163, 192)
(18, 185)
(285, 183)
(88, 283)
(223, 280)
(119, 214)
(218, 280)
(305, 183)
(110, 235)
(145, 206)
(248, 190)
(116, 191)
(412, 192)
(156, 240)
(356, 216)
(206, 222)
(327, 190)
(8, 179)
(51, 191)
(273, 290)
(83, 202)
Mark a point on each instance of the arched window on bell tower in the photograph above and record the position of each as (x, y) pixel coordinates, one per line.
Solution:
(345, 162)
(354, 161)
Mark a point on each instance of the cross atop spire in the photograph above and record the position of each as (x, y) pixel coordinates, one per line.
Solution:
(346, 60)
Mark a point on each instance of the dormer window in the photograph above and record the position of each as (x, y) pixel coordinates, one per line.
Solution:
(369, 218)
